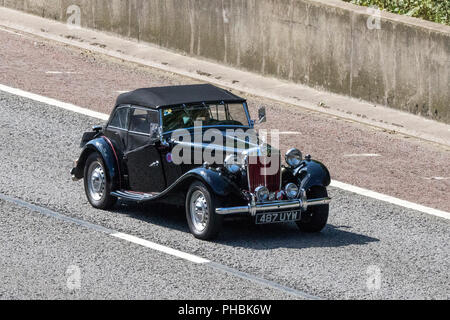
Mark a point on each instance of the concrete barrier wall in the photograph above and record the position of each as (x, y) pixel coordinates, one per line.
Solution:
(329, 44)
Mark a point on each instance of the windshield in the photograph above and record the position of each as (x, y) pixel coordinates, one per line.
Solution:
(210, 115)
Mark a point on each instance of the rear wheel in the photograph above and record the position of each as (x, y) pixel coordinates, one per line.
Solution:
(315, 218)
(97, 184)
(204, 223)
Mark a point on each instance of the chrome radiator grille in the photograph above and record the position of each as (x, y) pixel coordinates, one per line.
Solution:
(261, 173)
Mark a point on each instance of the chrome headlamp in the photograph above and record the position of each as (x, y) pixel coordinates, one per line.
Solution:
(262, 193)
(232, 164)
(294, 158)
(291, 190)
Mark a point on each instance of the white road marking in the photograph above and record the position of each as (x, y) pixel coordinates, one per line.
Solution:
(62, 72)
(334, 183)
(290, 132)
(389, 199)
(362, 155)
(438, 178)
(55, 103)
(161, 248)
(167, 250)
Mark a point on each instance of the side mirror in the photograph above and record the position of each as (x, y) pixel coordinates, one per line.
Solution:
(262, 115)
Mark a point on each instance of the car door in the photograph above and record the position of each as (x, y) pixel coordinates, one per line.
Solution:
(117, 129)
(142, 156)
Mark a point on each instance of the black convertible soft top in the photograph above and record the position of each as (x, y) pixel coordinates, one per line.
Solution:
(159, 97)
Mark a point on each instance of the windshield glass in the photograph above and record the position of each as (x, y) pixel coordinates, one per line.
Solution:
(210, 115)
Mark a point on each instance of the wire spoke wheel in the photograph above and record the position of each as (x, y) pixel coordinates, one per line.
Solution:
(96, 181)
(199, 210)
(204, 223)
(97, 184)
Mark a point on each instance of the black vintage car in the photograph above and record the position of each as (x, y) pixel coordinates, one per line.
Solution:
(157, 147)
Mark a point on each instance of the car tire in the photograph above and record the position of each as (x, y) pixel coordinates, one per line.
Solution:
(97, 184)
(204, 223)
(315, 218)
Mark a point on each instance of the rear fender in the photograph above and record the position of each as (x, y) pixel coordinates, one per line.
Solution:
(104, 147)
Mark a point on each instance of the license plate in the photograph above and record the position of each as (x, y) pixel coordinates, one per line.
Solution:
(287, 216)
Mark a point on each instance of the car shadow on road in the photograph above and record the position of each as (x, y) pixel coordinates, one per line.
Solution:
(243, 232)
(288, 236)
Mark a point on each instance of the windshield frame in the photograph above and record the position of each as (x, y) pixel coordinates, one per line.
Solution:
(243, 104)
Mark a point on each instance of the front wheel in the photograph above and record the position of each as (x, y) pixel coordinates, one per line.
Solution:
(315, 218)
(96, 183)
(204, 223)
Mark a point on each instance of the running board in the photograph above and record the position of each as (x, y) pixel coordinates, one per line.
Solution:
(133, 196)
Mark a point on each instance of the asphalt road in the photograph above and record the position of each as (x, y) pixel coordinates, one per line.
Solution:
(369, 250)
(403, 167)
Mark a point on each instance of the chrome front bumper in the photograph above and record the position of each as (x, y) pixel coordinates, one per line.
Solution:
(258, 207)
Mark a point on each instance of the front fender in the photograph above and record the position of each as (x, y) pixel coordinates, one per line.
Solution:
(102, 146)
(219, 184)
(312, 173)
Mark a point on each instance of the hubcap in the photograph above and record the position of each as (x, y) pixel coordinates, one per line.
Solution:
(199, 210)
(96, 182)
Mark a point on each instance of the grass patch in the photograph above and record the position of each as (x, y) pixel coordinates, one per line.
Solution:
(431, 10)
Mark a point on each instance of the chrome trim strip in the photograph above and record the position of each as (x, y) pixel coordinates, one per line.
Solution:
(215, 126)
(254, 208)
(140, 133)
(126, 195)
(247, 171)
(117, 128)
(281, 173)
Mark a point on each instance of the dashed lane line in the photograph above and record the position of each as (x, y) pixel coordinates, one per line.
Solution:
(158, 247)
